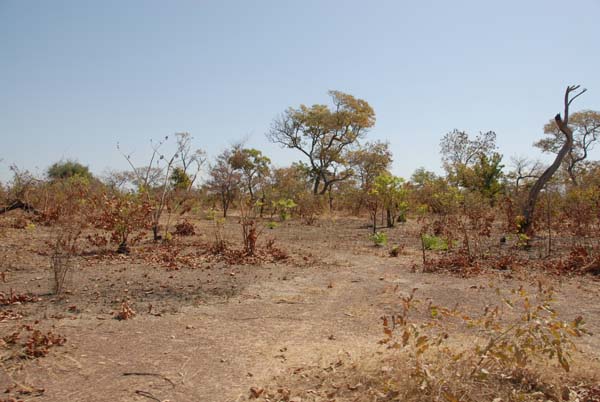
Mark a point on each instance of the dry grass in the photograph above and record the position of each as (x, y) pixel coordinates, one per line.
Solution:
(372, 377)
(449, 356)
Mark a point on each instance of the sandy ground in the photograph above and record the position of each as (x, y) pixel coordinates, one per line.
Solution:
(211, 332)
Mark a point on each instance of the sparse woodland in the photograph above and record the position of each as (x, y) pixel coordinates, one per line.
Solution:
(480, 284)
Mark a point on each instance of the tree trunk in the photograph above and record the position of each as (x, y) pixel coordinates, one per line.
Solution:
(262, 204)
(529, 207)
(155, 234)
(389, 218)
(316, 185)
(225, 203)
(571, 172)
(374, 213)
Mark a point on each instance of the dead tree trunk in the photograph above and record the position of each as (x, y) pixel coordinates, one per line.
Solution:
(18, 204)
(563, 125)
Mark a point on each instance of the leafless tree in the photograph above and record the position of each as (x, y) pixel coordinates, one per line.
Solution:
(224, 180)
(191, 159)
(143, 176)
(524, 169)
(563, 125)
(586, 132)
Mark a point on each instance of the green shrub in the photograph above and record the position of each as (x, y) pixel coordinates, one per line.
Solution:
(284, 207)
(379, 239)
(396, 250)
(434, 243)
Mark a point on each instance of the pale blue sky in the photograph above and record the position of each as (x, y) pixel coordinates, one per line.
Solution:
(76, 77)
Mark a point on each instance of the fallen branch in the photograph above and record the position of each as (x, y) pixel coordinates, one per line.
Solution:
(152, 375)
(18, 204)
(147, 395)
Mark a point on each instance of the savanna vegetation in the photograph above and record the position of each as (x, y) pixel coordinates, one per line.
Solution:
(224, 277)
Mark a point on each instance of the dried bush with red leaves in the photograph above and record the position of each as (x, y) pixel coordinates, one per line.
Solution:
(8, 315)
(121, 215)
(16, 298)
(29, 342)
(581, 260)
(184, 228)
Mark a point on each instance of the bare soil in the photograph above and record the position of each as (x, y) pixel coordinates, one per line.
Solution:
(206, 330)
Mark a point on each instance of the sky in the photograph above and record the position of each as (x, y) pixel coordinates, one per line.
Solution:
(77, 77)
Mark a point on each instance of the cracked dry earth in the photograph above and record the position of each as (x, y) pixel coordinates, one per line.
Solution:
(211, 334)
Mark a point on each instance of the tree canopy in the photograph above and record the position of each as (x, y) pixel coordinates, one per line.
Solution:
(325, 135)
(68, 168)
(586, 132)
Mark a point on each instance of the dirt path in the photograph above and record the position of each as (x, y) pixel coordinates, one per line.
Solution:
(217, 350)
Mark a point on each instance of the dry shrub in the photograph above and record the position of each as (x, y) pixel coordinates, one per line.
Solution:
(8, 315)
(61, 266)
(233, 256)
(19, 222)
(310, 207)
(16, 298)
(580, 260)
(448, 355)
(121, 215)
(185, 228)
(125, 312)
(250, 253)
(61, 260)
(35, 343)
(397, 250)
(505, 357)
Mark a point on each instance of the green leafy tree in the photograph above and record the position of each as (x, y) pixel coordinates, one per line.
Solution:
(392, 193)
(484, 176)
(254, 167)
(460, 151)
(68, 168)
(421, 177)
(369, 161)
(180, 179)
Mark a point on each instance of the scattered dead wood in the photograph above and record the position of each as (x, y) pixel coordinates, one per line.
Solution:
(18, 204)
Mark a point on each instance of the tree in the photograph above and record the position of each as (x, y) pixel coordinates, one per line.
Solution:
(224, 180)
(459, 151)
(484, 176)
(525, 226)
(422, 177)
(523, 169)
(190, 160)
(369, 161)
(156, 198)
(253, 165)
(325, 136)
(180, 179)
(66, 169)
(392, 195)
(586, 131)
